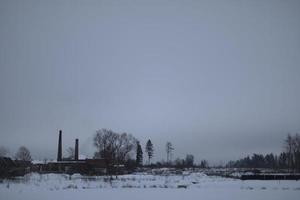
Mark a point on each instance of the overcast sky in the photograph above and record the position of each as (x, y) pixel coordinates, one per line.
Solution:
(218, 79)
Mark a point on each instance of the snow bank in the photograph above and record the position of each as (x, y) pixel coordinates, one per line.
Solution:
(144, 186)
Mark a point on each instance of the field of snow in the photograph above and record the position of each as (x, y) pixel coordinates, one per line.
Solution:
(189, 185)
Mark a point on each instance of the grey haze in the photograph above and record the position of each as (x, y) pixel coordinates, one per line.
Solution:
(218, 79)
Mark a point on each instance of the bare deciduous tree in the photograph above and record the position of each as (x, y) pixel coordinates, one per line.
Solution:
(292, 150)
(3, 151)
(23, 154)
(113, 147)
(297, 151)
(125, 144)
(288, 149)
(71, 153)
(169, 150)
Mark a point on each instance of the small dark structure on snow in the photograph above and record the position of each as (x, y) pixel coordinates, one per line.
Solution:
(75, 165)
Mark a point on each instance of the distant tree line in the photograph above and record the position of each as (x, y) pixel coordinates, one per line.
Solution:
(256, 161)
(124, 149)
(288, 159)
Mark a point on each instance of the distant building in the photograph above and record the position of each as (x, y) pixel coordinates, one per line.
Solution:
(77, 165)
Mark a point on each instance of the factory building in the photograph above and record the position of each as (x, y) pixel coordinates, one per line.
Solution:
(75, 165)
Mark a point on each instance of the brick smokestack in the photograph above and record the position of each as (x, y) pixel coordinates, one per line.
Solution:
(76, 149)
(59, 152)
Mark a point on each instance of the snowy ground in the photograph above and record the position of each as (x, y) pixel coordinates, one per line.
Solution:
(144, 186)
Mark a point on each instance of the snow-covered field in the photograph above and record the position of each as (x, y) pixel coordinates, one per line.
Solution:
(189, 185)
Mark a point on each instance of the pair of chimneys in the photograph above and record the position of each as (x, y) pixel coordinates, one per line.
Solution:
(59, 152)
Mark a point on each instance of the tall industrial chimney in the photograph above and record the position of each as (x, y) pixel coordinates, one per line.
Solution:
(76, 149)
(59, 152)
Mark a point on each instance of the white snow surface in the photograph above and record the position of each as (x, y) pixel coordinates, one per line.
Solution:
(189, 185)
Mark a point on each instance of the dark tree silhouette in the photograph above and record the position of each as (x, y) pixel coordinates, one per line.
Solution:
(149, 150)
(113, 147)
(289, 150)
(204, 164)
(139, 154)
(292, 150)
(189, 160)
(288, 159)
(169, 150)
